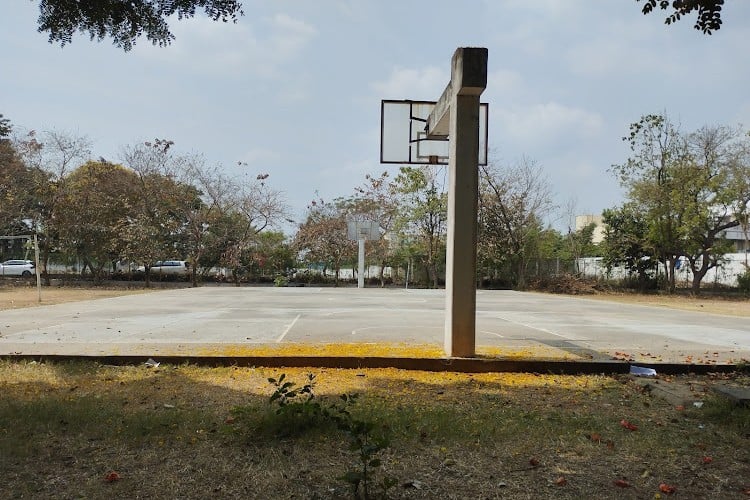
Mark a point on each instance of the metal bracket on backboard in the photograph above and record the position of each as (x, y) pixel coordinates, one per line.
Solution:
(404, 136)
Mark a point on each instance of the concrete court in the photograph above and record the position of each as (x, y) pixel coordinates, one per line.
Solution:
(194, 321)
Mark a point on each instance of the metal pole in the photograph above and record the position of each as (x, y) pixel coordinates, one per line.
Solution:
(361, 259)
(36, 266)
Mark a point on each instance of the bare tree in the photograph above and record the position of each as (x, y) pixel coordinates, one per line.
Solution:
(513, 202)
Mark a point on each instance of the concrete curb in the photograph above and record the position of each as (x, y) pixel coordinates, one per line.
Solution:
(460, 365)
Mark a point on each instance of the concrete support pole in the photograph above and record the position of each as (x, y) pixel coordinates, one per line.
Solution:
(468, 80)
(361, 264)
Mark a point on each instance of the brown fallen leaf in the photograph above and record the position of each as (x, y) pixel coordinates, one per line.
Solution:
(622, 483)
(666, 488)
(533, 462)
(112, 477)
(627, 425)
(561, 481)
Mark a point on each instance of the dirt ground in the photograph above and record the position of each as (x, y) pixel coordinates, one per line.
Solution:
(26, 295)
(85, 430)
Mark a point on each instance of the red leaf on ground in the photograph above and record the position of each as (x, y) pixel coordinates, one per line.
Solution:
(622, 483)
(628, 425)
(561, 481)
(596, 437)
(707, 460)
(112, 477)
(666, 488)
(680, 408)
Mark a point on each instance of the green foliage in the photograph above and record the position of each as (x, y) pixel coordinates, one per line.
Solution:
(743, 281)
(5, 127)
(708, 12)
(280, 280)
(125, 22)
(684, 191)
(298, 411)
(366, 443)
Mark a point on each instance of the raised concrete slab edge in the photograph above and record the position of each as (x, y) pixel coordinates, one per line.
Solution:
(463, 365)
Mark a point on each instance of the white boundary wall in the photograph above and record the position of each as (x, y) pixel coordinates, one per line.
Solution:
(726, 274)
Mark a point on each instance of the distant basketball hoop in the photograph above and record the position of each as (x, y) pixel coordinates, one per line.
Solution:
(361, 231)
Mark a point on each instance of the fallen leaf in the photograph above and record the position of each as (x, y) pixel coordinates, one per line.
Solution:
(707, 460)
(680, 408)
(622, 483)
(229, 420)
(666, 488)
(596, 437)
(561, 481)
(628, 425)
(112, 477)
(534, 462)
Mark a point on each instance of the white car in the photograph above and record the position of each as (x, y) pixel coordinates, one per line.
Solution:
(168, 267)
(17, 268)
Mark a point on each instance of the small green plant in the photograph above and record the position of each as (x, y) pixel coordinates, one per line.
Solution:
(298, 410)
(280, 280)
(743, 281)
(367, 445)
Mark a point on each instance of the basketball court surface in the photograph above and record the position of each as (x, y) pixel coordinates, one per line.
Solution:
(199, 321)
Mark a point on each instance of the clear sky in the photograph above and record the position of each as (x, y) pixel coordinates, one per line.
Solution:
(294, 88)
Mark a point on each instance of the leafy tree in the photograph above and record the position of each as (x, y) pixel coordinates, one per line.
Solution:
(658, 148)
(708, 12)
(422, 219)
(513, 202)
(322, 238)
(98, 199)
(271, 254)
(690, 188)
(626, 243)
(126, 20)
(18, 184)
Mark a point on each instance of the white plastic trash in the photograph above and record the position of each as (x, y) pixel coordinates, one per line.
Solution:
(642, 371)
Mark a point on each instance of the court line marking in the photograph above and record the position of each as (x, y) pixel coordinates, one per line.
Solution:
(287, 329)
(492, 333)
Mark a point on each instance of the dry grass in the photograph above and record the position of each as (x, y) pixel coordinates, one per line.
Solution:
(26, 295)
(729, 306)
(174, 432)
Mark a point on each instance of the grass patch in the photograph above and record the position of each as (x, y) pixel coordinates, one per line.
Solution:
(176, 431)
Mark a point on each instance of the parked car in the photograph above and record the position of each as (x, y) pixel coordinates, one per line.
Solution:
(179, 267)
(17, 268)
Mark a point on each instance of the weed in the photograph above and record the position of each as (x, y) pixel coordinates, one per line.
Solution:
(298, 411)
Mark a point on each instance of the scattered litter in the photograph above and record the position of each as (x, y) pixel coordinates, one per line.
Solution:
(698, 404)
(167, 405)
(150, 363)
(640, 370)
(417, 485)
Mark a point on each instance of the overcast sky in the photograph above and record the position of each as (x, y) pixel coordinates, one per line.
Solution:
(294, 88)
